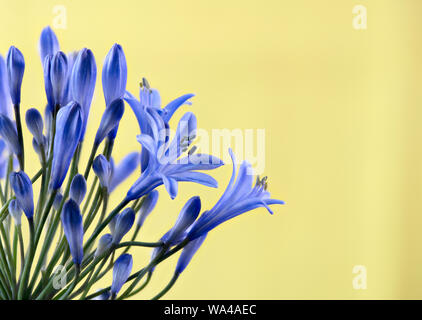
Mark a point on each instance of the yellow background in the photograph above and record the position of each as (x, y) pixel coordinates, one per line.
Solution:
(342, 113)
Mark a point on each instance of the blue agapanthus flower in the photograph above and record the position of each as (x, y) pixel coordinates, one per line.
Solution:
(240, 196)
(69, 213)
(149, 99)
(163, 157)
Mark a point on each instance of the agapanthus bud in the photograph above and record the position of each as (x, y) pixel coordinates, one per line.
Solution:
(67, 95)
(48, 43)
(9, 134)
(78, 188)
(82, 82)
(22, 186)
(35, 124)
(37, 146)
(124, 169)
(2, 147)
(114, 74)
(121, 272)
(103, 296)
(110, 119)
(103, 244)
(58, 77)
(47, 85)
(148, 204)
(123, 224)
(114, 77)
(159, 250)
(5, 103)
(102, 169)
(188, 252)
(73, 230)
(15, 70)
(15, 211)
(112, 223)
(68, 131)
(57, 201)
(3, 159)
(187, 216)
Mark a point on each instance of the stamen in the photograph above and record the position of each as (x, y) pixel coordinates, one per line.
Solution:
(145, 83)
(192, 150)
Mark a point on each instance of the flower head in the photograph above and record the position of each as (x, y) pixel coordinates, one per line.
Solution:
(149, 98)
(22, 187)
(240, 196)
(121, 271)
(15, 70)
(73, 230)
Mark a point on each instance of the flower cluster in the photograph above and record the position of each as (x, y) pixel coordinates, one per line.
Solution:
(69, 222)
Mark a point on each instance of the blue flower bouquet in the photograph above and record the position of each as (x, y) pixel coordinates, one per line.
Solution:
(75, 239)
